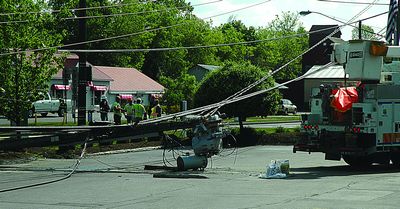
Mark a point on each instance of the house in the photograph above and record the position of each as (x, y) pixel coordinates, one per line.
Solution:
(200, 70)
(127, 83)
(320, 55)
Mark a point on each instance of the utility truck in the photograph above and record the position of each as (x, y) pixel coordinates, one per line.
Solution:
(357, 119)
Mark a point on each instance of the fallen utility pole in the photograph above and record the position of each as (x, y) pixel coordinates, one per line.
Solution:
(15, 138)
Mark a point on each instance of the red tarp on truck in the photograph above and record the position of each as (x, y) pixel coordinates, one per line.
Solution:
(343, 98)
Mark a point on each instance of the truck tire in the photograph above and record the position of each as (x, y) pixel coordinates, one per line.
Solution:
(294, 111)
(357, 161)
(43, 114)
(31, 113)
(286, 112)
(395, 158)
(382, 158)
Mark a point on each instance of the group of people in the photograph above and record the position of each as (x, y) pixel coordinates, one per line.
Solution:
(133, 112)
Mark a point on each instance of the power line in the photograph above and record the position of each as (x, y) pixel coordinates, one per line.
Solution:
(352, 2)
(209, 46)
(131, 34)
(91, 8)
(114, 15)
(75, 167)
(236, 97)
(71, 10)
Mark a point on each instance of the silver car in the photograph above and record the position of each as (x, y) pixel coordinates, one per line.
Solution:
(286, 106)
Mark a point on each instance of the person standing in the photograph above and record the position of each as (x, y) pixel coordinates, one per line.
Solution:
(156, 110)
(129, 113)
(117, 111)
(104, 108)
(140, 111)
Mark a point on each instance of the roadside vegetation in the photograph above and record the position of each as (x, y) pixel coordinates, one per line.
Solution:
(21, 83)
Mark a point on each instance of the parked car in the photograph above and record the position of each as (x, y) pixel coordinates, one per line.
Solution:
(286, 106)
(47, 104)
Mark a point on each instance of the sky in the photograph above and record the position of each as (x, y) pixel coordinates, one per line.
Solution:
(261, 15)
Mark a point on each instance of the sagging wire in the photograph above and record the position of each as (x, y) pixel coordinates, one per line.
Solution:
(214, 105)
(235, 150)
(104, 16)
(170, 143)
(128, 35)
(75, 167)
(286, 64)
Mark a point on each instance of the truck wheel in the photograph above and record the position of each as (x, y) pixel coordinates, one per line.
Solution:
(382, 158)
(357, 161)
(43, 114)
(286, 112)
(31, 112)
(395, 158)
(295, 111)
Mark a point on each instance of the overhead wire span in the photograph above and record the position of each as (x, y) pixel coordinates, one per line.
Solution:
(75, 167)
(128, 35)
(236, 99)
(70, 9)
(353, 2)
(115, 15)
(205, 46)
(286, 64)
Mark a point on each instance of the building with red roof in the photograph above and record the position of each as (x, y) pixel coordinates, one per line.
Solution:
(126, 83)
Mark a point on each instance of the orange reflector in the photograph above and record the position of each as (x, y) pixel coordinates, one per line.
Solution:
(378, 49)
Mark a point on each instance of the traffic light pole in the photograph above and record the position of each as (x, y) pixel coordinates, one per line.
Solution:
(82, 67)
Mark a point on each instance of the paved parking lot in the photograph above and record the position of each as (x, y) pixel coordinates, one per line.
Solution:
(230, 181)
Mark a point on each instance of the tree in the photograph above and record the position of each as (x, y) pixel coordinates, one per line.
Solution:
(179, 89)
(367, 33)
(234, 77)
(276, 53)
(24, 74)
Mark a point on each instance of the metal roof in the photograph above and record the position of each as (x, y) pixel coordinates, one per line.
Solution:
(130, 80)
(209, 67)
(97, 75)
(336, 71)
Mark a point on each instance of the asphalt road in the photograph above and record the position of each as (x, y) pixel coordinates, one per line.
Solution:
(230, 181)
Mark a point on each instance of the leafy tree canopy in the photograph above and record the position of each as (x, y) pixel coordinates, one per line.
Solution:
(179, 89)
(24, 75)
(367, 33)
(231, 78)
(274, 54)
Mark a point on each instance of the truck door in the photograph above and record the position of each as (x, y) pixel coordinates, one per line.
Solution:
(41, 104)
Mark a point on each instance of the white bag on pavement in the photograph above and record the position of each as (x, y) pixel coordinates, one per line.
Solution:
(277, 169)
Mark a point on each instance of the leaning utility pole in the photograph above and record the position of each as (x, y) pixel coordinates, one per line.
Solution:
(82, 66)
